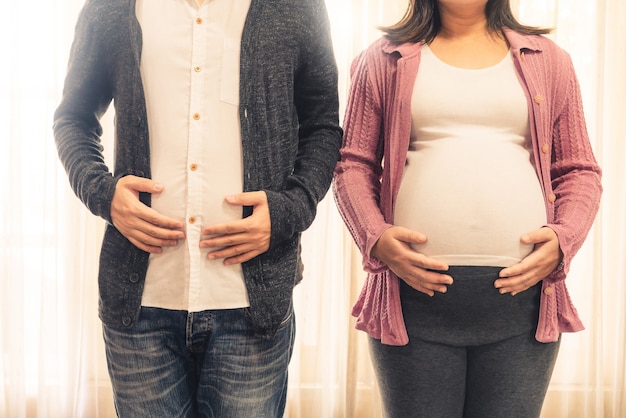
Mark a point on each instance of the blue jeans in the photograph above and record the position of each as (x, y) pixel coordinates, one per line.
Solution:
(204, 364)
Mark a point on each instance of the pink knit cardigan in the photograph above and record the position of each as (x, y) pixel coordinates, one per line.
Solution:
(377, 129)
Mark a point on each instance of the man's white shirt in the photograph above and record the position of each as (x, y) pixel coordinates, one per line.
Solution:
(190, 73)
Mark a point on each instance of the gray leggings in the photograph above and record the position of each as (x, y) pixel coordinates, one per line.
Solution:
(465, 362)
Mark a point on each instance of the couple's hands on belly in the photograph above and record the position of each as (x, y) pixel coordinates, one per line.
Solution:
(536, 266)
(393, 248)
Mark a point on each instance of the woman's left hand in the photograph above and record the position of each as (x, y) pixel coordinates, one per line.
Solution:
(536, 266)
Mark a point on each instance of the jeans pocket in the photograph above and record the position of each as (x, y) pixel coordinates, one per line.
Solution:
(288, 317)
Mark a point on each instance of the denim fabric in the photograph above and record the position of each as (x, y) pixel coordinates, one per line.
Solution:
(205, 364)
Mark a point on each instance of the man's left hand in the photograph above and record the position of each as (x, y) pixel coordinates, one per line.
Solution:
(241, 240)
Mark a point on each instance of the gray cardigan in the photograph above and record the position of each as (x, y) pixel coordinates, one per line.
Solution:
(290, 139)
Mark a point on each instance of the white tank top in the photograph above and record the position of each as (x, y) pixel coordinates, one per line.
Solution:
(469, 182)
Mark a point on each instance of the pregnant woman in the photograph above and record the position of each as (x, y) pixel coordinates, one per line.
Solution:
(468, 183)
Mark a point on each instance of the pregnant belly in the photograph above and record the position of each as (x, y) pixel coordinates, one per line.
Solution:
(470, 217)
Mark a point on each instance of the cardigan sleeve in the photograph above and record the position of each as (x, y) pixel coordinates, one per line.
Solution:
(357, 180)
(316, 101)
(77, 130)
(574, 172)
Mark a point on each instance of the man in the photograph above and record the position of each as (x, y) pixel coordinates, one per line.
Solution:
(226, 137)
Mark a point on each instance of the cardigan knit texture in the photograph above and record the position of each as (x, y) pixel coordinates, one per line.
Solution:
(289, 130)
(377, 132)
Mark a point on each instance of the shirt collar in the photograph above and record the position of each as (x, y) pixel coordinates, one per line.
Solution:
(517, 41)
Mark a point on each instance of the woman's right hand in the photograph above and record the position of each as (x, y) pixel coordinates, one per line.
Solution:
(393, 248)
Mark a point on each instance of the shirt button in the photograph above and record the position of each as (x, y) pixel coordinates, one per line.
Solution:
(196, 116)
(193, 167)
(545, 148)
(538, 99)
(197, 69)
(552, 198)
(548, 291)
(192, 219)
(199, 20)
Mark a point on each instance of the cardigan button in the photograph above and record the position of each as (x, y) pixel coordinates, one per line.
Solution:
(545, 148)
(127, 321)
(552, 198)
(538, 99)
(548, 291)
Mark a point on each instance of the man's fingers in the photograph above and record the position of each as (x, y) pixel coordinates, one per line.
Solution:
(241, 258)
(224, 241)
(247, 199)
(235, 227)
(143, 246)
(232, 251)
(150, 238)
(140, 184)
(257, 223)
(147, 221)
(157, 232)
(143, 226)
(231, 245)
(243, 239)
(161, 223)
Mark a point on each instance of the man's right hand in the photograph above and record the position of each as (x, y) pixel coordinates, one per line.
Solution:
(143, 226)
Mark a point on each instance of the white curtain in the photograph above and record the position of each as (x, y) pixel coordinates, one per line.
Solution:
(51, 358)
(51, 354)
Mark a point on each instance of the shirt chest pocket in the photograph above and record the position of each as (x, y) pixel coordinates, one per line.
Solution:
(229, 88)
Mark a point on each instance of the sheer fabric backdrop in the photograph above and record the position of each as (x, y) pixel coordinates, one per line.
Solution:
(51, 354)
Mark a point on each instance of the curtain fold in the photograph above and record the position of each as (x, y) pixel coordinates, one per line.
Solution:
(52, 361)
